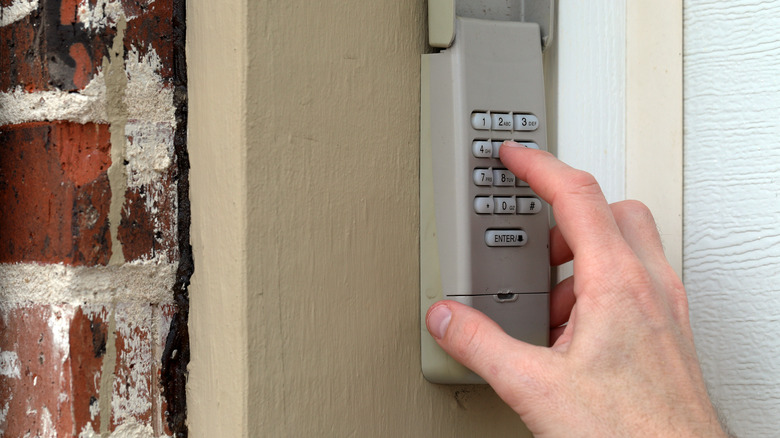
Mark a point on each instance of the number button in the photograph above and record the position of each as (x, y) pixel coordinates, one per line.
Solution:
(502, 122)
(526, 122)
(483, 177)
(528, 144)
(503, 178)
(480, 121)
(482, 149)
(496, 147)
(505, 205)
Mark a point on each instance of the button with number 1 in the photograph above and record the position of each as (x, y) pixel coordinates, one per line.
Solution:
(480, 121)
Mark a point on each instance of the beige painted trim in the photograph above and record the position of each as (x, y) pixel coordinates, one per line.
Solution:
(216, 56)
(304, 300)
(654, 117)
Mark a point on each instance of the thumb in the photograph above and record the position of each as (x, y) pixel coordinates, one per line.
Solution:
(510, 366)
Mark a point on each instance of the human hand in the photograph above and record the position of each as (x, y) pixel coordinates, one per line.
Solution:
(625, 364)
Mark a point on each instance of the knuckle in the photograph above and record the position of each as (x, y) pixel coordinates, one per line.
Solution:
(677, 295)
(582, 182)
(635, 212)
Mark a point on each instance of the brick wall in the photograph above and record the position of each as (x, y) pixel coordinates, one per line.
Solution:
(94, 218)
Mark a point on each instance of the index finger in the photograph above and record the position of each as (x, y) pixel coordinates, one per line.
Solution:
(581, 211)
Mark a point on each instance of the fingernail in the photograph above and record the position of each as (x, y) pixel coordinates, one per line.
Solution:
(438, 320)
(512, 144)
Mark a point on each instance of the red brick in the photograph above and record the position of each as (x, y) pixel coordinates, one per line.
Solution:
(21, 60)
(88, 336)
(49, 49)
(68, 10)
(59, 353)
(34, 398)
(145, 232)
(54, 193)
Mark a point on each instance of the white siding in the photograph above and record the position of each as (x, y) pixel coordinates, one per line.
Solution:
(732, 204)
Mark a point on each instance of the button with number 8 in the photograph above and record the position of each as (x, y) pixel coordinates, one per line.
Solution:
(503, 177)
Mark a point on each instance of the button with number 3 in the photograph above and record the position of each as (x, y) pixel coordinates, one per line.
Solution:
(526, 122)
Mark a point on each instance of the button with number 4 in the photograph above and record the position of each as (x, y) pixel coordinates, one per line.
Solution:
(482, 148)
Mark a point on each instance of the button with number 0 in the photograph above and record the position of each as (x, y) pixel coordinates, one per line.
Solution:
(504, 205)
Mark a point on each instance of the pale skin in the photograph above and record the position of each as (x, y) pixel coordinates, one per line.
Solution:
(625, 364)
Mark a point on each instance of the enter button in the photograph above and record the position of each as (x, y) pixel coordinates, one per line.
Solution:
(505, 238)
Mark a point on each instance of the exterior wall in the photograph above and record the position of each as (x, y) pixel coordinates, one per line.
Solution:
(312, 150)
(92, 169)
(732, 230)
(304, 142)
